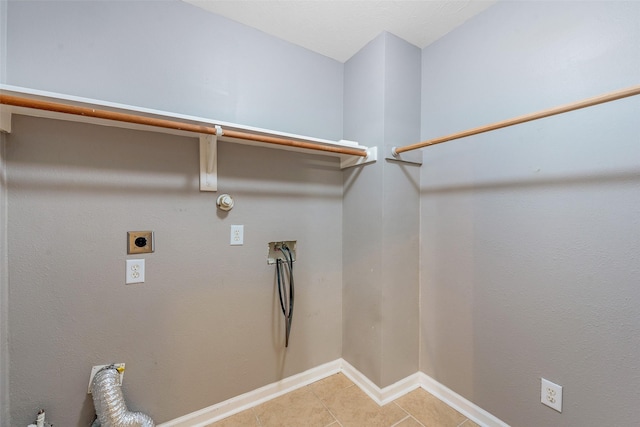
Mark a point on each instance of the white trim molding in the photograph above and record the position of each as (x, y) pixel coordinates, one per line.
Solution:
(459, 403)
(379, 395)
(221, 410)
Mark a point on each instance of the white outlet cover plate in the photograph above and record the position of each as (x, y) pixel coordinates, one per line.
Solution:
(135, 271)
(95, 370)
(237, 235)
(551, 394)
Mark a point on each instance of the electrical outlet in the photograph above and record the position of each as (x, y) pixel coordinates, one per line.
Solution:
(551, 394)
(140, 242)
(95, 369)
(135, 271)
(237, 235)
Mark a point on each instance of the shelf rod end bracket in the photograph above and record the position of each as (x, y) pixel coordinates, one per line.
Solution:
(412, 157)
(371, 157)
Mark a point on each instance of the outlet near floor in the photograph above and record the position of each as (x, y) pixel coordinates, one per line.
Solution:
(551, 394)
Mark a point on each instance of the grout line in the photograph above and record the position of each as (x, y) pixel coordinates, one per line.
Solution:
(418, 421)
(329, 411)
(255, 415)
(405, 418)
(401, 408)
(409, 415)
(325, 406)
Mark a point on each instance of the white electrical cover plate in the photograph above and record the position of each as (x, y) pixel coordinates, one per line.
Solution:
(96, 368)
(237, 235)
(135, 271)
(551, 394)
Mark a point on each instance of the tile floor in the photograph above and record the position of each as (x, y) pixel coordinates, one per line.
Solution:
(337, 402)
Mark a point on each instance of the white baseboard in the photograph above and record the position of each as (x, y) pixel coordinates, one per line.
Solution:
(459, 403)
(379, 395)
(221, 410)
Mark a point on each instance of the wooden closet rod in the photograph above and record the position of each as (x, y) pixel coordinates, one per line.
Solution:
(169, 124)
(611, 96)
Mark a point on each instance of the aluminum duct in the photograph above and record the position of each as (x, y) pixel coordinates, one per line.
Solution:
(109, 402)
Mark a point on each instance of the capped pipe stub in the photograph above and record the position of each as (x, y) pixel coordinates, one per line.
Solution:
(225, 202)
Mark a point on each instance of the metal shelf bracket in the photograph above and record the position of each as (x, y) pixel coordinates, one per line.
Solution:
(350, 161)
(5, 121)
(209, 162)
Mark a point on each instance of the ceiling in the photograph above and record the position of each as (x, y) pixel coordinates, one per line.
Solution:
(340, 28)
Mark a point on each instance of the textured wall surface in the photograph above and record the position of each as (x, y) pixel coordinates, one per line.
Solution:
(4, 278)
(3, 41)
(4, 291)
(531, 235)
(381, 213)
(362, 213)
(172, 56)
(206, 325)
(401, 213)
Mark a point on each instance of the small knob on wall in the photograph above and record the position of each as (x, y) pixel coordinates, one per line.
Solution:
(224, 202)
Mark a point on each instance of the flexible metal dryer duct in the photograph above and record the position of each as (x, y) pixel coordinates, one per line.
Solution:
(109, 402)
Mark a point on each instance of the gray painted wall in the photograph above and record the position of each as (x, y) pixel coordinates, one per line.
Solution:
(531, 235)
(401, 213)
(3, 41)
(381, 213)
(205, 326)
(4, 279)
(362, 213)
(172, 56)
(4, 291)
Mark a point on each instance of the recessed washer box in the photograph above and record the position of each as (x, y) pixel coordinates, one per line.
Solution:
(276, 251)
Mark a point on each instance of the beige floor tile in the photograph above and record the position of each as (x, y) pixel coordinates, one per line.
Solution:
(330, 385)
(408, 422)
(353, 408)
(336, 402)
(429, 410)
(298, 408)
(243, 419)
